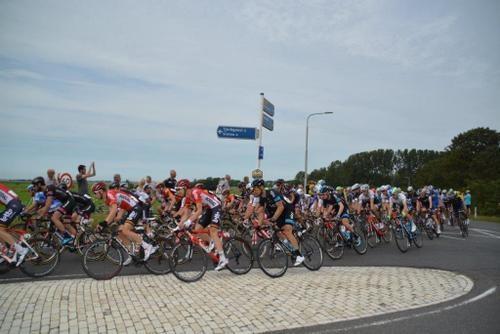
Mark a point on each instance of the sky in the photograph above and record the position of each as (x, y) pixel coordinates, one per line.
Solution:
(141, 87)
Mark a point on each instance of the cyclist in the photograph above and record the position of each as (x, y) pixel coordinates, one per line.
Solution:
(280, 212)
(335, 204)
(13, 207)
(52, 192)
(457, 204)
(121, 203)
(398, 202)
(206, 214)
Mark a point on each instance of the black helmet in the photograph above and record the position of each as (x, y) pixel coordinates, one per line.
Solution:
(257, 183)
(325, 189)
(38, 180)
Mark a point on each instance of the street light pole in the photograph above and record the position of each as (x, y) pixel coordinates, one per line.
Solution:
(307, 142)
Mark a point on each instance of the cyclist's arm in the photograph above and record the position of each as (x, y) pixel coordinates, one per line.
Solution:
(197, 213)
(280, 207)
(113, 209)
(43, 211)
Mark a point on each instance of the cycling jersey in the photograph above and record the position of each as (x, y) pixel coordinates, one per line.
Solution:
(269, 201)
(335, 201)
(84, 203)
(457, 204)
(7, 195)
(57, 193)
(424, 201)
(207, 199)
(40, 198)
(13, 205)
(365, 198)
(435, 199)
(123, 200)
(400, 201)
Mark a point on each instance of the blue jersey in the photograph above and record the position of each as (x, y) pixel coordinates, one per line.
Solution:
(435, 199)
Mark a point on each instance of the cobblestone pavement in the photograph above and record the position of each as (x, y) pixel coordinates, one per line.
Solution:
(221, 302)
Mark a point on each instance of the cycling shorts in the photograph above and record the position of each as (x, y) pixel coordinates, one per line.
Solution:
(135, 214)
(12, 210)
(67, 207)
(210, 217)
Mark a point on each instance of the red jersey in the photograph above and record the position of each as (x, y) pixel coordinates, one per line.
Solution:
(207, 199)
(122, 199)
(7, 195)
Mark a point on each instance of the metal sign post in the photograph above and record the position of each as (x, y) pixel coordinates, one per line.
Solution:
(266, 121)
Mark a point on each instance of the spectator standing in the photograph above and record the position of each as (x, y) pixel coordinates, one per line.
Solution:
(150, 182)
(171, 181)
(51, 178)
(117, 180)
(83, 175)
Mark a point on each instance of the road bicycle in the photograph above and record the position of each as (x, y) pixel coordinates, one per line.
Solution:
(105, 257)
(189, 257)
(42, 257)
(333, 237)
(405, 234)
(273, 252)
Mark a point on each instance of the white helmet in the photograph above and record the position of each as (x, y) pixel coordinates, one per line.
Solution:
(364, 187)
(355, 186)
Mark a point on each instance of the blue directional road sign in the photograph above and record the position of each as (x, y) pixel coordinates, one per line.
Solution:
(236, 132)
(268, 108)
(267, 122)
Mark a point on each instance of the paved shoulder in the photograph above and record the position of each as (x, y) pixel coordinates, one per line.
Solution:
(222, 302)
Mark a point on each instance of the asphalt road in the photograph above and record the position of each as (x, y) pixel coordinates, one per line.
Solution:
(477, 257)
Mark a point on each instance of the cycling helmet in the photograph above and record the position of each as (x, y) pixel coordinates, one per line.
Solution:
(184, 183)
(410, 189)
(98, 186)
(257, 183)
(38, 180)
(364, 187)
(450, 190)
(249, 186)
(355, 187)
(339, 189)
(30, 187)
(324, 190)
(147, 187)
(300, 192)
(396, 190)
(445, 191)
(199, 185)
(124, 185)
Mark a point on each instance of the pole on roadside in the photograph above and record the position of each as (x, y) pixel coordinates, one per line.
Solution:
(307, 143)
(260, 128)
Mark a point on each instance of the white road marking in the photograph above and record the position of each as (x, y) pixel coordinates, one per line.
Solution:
(450, 237)
(417, 315)
(486, 232)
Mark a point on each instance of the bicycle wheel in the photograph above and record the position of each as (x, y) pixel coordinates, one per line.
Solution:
(188, 262)
(103, 259)
(240, 256)
(42, 258)
(418, 238)
(401, 237)
(159, 262)
(321, 236)
(371, 236)
(312, 252)
(387, 236)
(360, 246)
(4, 266)
(334, 245)
(83, 240)
(272, 258)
